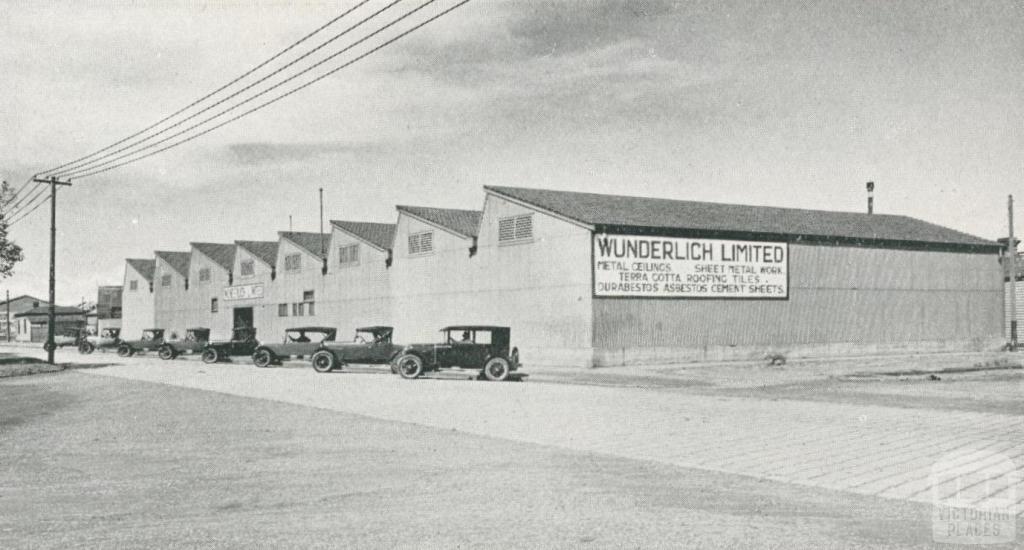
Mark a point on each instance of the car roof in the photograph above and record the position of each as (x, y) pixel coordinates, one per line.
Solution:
(475, 327)
(153, 329)
(374, 329)
(198, 328)
(312, 329)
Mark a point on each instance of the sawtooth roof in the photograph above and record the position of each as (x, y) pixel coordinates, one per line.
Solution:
(179, 261)
(644, 212)
(222, 254)
(378, 234)
(264, 250)
(311, 242)
(145, 267)
(462, 222)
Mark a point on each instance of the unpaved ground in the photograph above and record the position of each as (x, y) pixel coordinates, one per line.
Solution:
(99, 462)
(677, 457)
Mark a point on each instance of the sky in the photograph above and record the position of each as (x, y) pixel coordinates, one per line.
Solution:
(781, 103)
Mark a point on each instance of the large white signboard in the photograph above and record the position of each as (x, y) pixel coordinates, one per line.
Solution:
(668, 267)
(243, 292)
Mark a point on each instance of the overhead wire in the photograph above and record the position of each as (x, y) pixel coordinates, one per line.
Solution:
(98, 170)
(292, 46)
(27, 214)
(24, 200)
(98, 161)
(87, 169)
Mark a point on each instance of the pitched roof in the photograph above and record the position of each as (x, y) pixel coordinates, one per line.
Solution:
(22, 297)
(311, 242)
(463, 222)
(378, 234)
(264, 250)
(145, 267)
(612, 210)
(45, 310)
(179, 261)
(222, 254)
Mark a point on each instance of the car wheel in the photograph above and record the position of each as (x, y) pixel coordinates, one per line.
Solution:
(211, 355)
(166, 353)
(323, 361)
(513, 357)
(124, 351)
(409, 366)
(49, 347)
(262, 358)
(497, 369)
(85, 348)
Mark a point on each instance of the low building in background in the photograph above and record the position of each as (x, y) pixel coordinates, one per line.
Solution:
(10, 327)
(34, 323)
(108, 308)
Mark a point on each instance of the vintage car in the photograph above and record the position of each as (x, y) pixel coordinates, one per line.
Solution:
(464, 346)
(371, 346)
(243, 342)
(68, 337)
(195, 341)
(152, 338)
(298, 342)
(107, 338)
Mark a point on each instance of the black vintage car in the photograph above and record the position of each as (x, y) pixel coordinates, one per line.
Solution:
(152, 339)
(195, 340)
(371, 346)
(299, 342)
(107, 338)
(243, 342)
(464, 346)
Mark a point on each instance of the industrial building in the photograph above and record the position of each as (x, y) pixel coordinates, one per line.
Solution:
(592, 280)
(137, 299)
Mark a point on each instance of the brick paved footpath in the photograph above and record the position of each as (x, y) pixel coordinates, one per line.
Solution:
(875, 450)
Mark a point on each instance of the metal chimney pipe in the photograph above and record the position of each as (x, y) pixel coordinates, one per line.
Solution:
(871, 197)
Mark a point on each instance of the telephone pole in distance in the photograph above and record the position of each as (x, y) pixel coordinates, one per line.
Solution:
(52, 317)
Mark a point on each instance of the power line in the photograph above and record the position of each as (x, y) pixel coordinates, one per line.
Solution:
(207, 96)
(86, 166)
(22, 186)
(97, 170)
(28, 204)
(44, 201)
(25, 200)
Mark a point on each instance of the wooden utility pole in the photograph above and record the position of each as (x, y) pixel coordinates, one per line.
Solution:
(8, 315)
(52, 317)
(1011, 256)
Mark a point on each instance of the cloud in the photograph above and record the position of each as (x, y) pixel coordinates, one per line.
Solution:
(257, 153)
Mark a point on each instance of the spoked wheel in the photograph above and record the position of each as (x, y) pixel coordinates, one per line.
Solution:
(262, 358)
(124, 351)
(85, 348)
(211, 355)
(497, 369)
(324, 361)
(166, 353)
(410, 366)
(47, 346)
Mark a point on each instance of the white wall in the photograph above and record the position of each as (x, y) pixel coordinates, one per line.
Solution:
(171, 308)
(356, 295)
(431, 290)
(196, 309)
(288, 288)
(137, 306)
(540, 288)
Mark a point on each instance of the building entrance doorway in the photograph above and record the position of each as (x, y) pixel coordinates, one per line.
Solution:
(243, 317)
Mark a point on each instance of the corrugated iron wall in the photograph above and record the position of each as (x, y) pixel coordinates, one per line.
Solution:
(837, 295)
